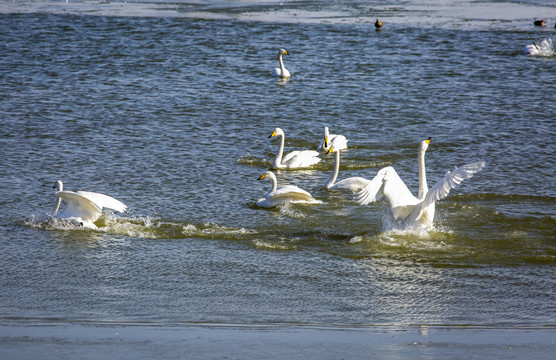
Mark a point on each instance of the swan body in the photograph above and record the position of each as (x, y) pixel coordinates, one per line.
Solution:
(281, 71)
(339, 142)
(283, 194)
(84, 207)
(353, 184)
(415, 211)
(294, 159)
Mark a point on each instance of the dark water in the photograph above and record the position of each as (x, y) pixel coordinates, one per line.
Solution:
(171, 113)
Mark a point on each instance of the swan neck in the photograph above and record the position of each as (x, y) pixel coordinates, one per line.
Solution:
(423, 187)
(278, 159)
(334, 176)
(282, 67)
(274, 183)
(57, 206)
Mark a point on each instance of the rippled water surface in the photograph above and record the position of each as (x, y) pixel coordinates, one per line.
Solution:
(169, 111)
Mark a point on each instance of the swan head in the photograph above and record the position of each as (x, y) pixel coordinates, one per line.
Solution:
(331, 150)
(326, 135)
(58, 185)
(269, 174)
(425, 144)
(282, 52)
(276, 132)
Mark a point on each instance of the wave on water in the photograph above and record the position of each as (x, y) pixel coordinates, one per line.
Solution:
(254, 161)
(141, 227)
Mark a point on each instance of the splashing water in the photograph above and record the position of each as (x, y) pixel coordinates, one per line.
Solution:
(543, 48)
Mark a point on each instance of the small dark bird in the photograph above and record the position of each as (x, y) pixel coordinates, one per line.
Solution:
(540, 23)
(378, 24)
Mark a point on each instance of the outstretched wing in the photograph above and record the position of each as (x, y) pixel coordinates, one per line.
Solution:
(104, 201)
(78, 206)
(373, 190)
(442, 188)
(387, 183)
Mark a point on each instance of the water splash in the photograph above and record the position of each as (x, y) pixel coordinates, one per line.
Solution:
(141, 227)
(542, 48)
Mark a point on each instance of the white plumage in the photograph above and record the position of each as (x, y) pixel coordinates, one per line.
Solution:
(339, 142)
(281, 71)
(84, 207)
(353, 184)
(295, 159)
(283, 194)
(416, 211)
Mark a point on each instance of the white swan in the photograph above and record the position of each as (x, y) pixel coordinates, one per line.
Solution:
(84, 207)
(417, 211)
(353, 184)
(281, 71)
(339, 142)
(295, 159)
(543, 48)
(283, 194)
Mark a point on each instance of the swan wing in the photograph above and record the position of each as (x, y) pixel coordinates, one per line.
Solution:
(373, 191)
(104, 201)
(285, 194)
(442, 188)
(79, 206)
(353, 184)
(338, 142)
(387, 183)
(304, 158)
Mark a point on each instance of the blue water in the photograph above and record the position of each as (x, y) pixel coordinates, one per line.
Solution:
(169, 111)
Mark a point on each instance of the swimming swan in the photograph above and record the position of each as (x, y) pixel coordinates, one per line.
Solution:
(283, 194)
(295, 159)
(84, 207)
(417, 211)
(353, 184)
(281, 71)
(339, 142)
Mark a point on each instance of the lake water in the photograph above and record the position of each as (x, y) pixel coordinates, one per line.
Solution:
(168, 108)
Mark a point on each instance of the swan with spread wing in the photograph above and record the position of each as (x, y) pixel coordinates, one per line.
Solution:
(415, 211)
(84, 207)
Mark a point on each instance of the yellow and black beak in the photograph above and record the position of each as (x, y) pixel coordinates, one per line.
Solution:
(273, 134)
(262, 177)
(330, 150)
(428, 140)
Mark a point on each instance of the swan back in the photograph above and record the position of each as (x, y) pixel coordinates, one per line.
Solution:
(283, 194)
